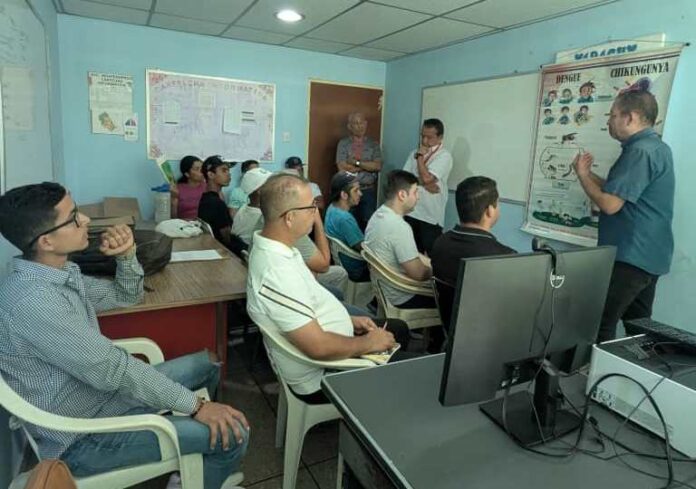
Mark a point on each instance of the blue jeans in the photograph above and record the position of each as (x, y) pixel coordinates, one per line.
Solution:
(93, 454)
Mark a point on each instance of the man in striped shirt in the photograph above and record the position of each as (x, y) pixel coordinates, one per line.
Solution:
(54, 356)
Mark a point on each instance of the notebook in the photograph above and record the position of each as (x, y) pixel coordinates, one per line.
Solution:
(382, 357)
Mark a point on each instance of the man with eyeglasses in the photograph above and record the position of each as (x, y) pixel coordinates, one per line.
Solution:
(282, 293)
(54, 356)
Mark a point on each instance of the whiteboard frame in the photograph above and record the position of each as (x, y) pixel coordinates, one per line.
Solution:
(534, 122)
(219, 78)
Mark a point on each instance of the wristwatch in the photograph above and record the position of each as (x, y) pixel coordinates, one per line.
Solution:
(418, 155)
(199, 404)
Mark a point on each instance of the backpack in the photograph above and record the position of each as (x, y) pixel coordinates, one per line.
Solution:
(51, 474)
(154, 250)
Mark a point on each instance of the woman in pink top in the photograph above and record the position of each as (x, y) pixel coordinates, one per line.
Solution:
(190, 187)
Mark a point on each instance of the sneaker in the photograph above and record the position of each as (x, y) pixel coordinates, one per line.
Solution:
(174, 481)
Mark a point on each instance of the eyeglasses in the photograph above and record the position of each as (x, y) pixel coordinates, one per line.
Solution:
(305, 208)
(73, 219)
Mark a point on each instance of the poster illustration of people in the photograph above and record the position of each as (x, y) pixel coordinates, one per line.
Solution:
(574, 105)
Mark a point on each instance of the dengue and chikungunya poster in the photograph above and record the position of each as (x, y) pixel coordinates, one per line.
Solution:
(574, 104)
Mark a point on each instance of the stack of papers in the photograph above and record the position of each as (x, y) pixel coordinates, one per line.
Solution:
(198, 255)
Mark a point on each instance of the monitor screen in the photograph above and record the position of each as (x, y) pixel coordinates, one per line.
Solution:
(508, 315)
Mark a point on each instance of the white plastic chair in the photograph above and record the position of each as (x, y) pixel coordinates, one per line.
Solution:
(381, 273)
(295, 417)
(354, 290)
(189, 466)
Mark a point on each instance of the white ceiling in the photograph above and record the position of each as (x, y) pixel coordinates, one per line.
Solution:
(368, 29)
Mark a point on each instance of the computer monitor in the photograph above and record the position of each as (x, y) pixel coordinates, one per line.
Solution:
(516, 318)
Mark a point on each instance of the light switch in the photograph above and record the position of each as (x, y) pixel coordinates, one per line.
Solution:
(286, 137)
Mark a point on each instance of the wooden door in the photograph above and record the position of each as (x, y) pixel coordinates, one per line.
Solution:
(329, 107)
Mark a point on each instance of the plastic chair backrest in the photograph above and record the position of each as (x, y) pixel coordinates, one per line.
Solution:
(394, 277)
(276, 338)
(338, 248)
(444, 298)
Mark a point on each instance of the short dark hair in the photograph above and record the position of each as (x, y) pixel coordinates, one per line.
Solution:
(28, 211)
(437, 124)
(398, 180)
(639, 101)
(185, 166)
(547, 110)
(293, 162)
(473, 197)
(246, 164)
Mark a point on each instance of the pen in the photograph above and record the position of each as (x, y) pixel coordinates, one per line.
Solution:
(385, 325)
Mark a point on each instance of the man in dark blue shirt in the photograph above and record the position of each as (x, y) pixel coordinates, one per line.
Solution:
(636, 201)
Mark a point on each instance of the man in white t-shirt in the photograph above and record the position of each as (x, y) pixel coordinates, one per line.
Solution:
(391, 239)
(249, 218)
(431, 163)
(282, 293)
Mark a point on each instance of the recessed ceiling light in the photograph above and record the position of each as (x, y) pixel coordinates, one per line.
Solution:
(288, 15)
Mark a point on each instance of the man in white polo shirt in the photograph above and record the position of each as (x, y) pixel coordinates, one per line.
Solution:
(390, 238)
(282, 293)
(431, 163)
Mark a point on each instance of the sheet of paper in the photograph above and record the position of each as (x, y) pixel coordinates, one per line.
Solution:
(172, 112)
(110, 91)
(206, 99)
(17, 98)
(130, 128)
(199, 255)
(232, 121)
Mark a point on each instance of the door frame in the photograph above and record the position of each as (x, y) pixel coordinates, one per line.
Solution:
(381, 125)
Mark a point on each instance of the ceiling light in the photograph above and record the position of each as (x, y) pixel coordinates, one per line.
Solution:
(288, 15)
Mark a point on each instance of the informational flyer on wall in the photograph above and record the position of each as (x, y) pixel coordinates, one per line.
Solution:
(110, 102)
(574, 107)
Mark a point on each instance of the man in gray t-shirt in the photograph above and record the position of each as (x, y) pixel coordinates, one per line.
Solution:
(391, 239)
(361, 155)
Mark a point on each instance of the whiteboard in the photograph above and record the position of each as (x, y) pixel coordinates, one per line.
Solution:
(25, 155)
(489, 128)
(202, 115)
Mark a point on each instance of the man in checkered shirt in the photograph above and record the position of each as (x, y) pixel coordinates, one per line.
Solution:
(54, 356)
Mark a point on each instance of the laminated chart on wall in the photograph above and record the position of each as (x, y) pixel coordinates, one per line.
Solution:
(200, 115)
(110, 102)
(573, 110)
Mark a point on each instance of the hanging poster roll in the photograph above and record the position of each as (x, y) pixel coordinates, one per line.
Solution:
(574, 104)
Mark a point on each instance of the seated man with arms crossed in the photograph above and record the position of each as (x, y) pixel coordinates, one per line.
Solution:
(54, 356)
(282, 293)
(478, 209)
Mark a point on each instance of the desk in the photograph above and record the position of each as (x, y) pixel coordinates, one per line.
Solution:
(395, 433)
(186, 310)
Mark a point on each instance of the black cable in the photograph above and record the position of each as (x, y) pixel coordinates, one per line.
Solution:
(648, 396)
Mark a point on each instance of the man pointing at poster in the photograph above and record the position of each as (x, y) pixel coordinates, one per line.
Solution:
(636, 201)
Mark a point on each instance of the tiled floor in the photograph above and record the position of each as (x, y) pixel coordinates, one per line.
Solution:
(254, 390)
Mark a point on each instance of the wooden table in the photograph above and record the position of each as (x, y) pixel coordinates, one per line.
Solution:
(185, 308)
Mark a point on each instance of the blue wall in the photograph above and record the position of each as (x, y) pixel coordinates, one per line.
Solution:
(103, 165)
(527, 48)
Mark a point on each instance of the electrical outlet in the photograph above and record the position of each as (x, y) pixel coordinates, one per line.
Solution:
(286, 137)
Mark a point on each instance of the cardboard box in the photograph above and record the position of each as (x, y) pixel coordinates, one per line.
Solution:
(113, 207)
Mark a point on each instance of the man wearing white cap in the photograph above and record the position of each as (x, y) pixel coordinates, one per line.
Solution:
(249, 218)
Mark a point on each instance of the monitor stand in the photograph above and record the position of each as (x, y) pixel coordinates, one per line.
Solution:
(522, 423)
